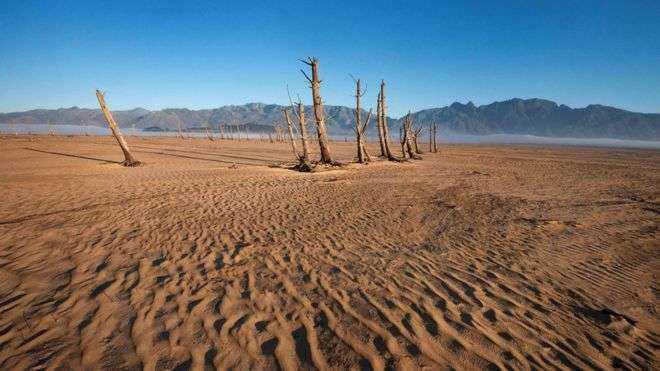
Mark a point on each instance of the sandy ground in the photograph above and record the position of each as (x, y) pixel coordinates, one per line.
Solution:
(476, 257)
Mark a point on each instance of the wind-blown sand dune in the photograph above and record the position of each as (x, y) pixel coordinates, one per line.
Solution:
(477, 257)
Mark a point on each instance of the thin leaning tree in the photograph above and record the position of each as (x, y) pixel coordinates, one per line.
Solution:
(209, 135)
(319, 115)
(129, 160)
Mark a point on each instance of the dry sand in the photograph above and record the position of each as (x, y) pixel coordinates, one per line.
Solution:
(476, 257)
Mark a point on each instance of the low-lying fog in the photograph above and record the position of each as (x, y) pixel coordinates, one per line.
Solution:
(444, 138)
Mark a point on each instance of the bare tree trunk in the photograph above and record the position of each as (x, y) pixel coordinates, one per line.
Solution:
(209, 135)
(291, 137)
(303, 134)
(178, 125)
(409, 149)
(409, 137)
(415, 140)
(129, 160)
(402, 139)
(435, 140)
(362, 156)
(379, 123)
(383, 112)
(430, 137)
(319, 115)
(279, 136)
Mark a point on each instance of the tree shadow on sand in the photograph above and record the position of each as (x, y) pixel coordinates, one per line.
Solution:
(75, 156)
(204, 159)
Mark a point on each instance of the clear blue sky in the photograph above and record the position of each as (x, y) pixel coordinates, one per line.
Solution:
(198, 54)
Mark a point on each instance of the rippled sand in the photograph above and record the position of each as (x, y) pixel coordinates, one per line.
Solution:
(207, 257)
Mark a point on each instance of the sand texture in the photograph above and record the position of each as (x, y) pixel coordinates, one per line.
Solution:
(478, 257)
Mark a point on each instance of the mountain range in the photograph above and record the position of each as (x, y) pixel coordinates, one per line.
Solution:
(515, 116)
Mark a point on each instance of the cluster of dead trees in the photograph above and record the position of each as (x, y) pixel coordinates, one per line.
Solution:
(409, 134)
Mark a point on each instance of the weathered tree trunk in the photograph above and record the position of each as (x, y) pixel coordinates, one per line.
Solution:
(279, 133)
(209, 135)
(129, 160)
(303, 134)
(362, 154)
(178, 125)
(416, 139)
(379, 123)
(305, 164)
(402, 140)
(291, 137)
(383, 112)
(431, 137)
(435, 138)
(319, 115)
(409, 137)
(409, 148)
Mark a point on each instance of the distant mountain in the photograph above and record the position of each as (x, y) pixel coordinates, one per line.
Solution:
(543, 118)
(516, 116)
(256, 116)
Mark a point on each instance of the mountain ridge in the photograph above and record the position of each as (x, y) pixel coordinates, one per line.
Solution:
(532, 116)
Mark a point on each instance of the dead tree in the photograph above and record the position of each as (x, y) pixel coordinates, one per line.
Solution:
(304, 164)
(431, 137)
(129, 160)
(402, 140)
(289, 126)
(303, 136)
(319, 114)
(408, 138)
(360, 129)
(383, 122)
(435, 140)
(237, 130)
(416, 133)
(379, 124)
(279, 132)
(209, 135)
(178, 125)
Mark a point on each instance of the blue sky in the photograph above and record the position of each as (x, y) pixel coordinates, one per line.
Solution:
(197, 54)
